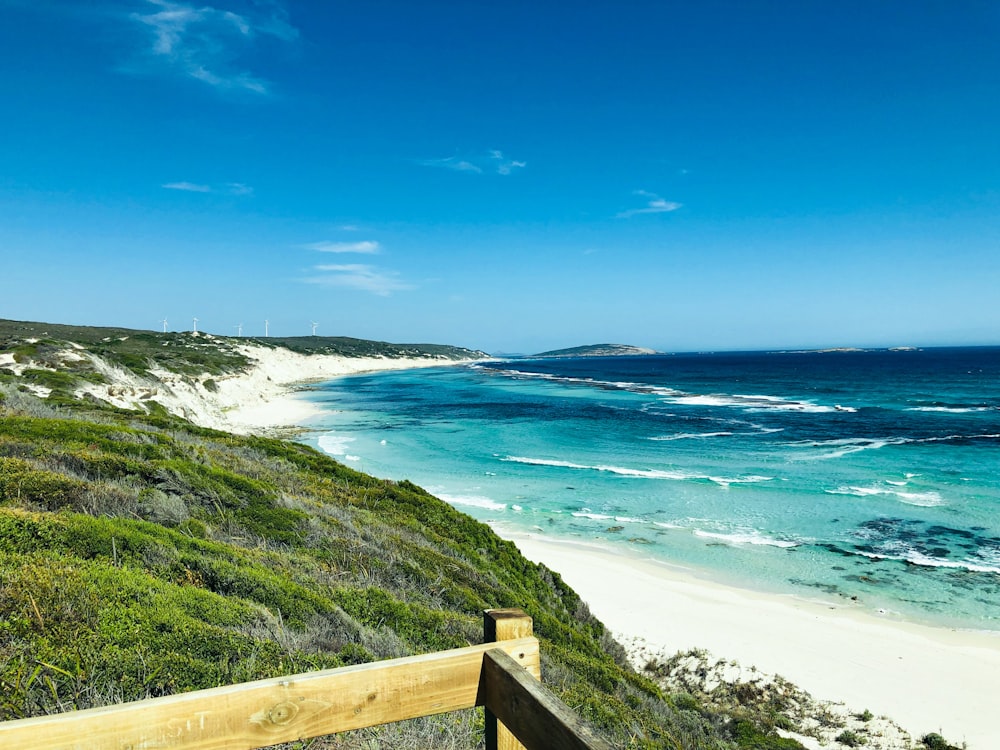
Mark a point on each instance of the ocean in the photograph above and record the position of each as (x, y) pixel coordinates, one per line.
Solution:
(869, 477)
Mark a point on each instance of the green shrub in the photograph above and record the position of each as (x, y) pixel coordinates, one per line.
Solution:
(850, 738)
(21, 483)
(258, 557)
(935, 741)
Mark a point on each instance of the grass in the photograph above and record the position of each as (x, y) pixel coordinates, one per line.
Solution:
(184, 353)
(143, 556)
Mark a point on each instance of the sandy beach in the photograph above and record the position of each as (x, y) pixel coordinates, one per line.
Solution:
(926, 679)
(262, 398)
(923, 678)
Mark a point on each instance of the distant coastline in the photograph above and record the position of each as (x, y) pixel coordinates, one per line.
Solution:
(597, 350)
(926, 678)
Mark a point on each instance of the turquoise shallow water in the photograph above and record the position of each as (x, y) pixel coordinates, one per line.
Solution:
(871, 476)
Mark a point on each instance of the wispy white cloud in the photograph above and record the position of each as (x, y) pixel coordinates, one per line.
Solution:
(359, 276)
(368, 247)
(504, 165)
(452, 162)
(206, 43)
(654, 205)
(229, 188)
(188, 186)
(492, 162)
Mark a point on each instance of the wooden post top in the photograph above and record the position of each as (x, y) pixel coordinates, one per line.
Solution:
(506, 624)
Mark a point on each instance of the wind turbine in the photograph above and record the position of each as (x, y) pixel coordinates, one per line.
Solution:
(314, 327)
(194, 325)
(164, 321)
(266, 323)
(239, 330)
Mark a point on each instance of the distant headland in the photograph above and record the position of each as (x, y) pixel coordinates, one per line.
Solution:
(599, 350)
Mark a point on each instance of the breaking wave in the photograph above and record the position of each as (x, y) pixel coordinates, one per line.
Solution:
(638, 473)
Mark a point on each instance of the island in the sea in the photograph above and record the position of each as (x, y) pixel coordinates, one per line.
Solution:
(599, 350)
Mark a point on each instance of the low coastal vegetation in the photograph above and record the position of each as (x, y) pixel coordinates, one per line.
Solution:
(53, 346)
(142, 555)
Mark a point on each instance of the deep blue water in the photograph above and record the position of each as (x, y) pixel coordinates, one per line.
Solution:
(871, 477)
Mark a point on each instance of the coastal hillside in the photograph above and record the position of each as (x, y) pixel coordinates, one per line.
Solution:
(196, 376)
(144, 555)
(599, 350)
(141, 555)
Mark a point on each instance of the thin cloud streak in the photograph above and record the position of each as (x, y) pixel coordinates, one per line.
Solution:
(506, 166)
(368, 247)
(655, 205)
(238, 188)
(230, 188)
(203, 42)
(359, 276)
(493, 162)
(188, 187)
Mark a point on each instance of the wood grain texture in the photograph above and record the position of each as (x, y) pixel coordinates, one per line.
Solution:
(536, 717)
(501, 625)
(267, 712)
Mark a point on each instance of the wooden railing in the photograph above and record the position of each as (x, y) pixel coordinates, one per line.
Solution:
(503, 675)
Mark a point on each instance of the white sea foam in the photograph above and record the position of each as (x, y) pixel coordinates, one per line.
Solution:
(619, 470)
(638, 473)
(691, 436)
(951, 409)
(750, 479)
(843, 447)
(349, 457)
(473, 501)
(754, 403)
(615, 385)
(593, 516)
(918, 558)
(747, 537)
(335, 445)
(927, 499)
(948, 438)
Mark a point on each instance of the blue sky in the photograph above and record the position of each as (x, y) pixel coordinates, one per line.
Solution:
(511, 176)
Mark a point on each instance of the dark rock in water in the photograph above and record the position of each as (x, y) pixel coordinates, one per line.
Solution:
(939, 552)
(836, 550)
(947, 530)
(829, 588)
(614, 529)
(639, 540)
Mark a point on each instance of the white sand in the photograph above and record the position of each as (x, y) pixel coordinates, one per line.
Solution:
(926, 679)
(263, 397)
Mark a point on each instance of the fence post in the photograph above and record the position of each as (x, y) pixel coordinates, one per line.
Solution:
(503, 625)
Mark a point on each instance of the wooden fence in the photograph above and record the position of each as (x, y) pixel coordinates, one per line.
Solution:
(503, 675)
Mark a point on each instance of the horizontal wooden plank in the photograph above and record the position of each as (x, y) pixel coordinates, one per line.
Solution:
(532, 714)
(258, 714)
